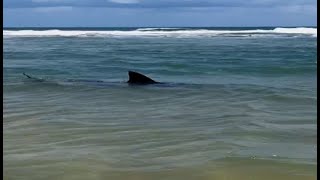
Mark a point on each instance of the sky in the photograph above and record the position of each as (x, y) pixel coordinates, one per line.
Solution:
(159, 13)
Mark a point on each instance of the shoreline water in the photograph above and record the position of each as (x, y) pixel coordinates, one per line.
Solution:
(247, 109)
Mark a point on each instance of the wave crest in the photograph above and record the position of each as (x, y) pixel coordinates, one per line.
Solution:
(161, 29)
(172, 32)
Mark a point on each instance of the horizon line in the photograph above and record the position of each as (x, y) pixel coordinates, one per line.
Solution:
(153, 26)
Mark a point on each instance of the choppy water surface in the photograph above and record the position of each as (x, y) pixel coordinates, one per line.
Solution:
(239, 104)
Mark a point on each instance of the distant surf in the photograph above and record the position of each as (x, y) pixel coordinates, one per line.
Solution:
(160, 32)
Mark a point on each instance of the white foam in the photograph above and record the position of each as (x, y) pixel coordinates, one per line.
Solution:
(159, 29)
(300, 30)
(173, 32)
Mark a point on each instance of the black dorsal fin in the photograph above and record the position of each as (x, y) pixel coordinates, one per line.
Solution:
(137, 78)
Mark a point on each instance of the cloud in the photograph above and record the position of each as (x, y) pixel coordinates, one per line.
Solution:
(52, 9)
(300, 9)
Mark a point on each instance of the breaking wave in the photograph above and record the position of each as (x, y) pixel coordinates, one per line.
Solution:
(161, 29)
(171, 32)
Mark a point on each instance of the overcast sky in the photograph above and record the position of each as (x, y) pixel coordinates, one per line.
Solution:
(158, 13)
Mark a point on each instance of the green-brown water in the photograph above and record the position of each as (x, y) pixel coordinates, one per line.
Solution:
(237, 106)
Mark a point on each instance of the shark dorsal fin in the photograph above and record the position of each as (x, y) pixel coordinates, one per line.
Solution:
(137, 78)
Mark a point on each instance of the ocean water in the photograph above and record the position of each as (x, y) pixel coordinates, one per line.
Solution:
(236, 103)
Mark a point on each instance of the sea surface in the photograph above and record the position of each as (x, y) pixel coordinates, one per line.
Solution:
(236, 103)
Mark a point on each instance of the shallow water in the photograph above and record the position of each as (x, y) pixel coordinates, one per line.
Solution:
(233, 107)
